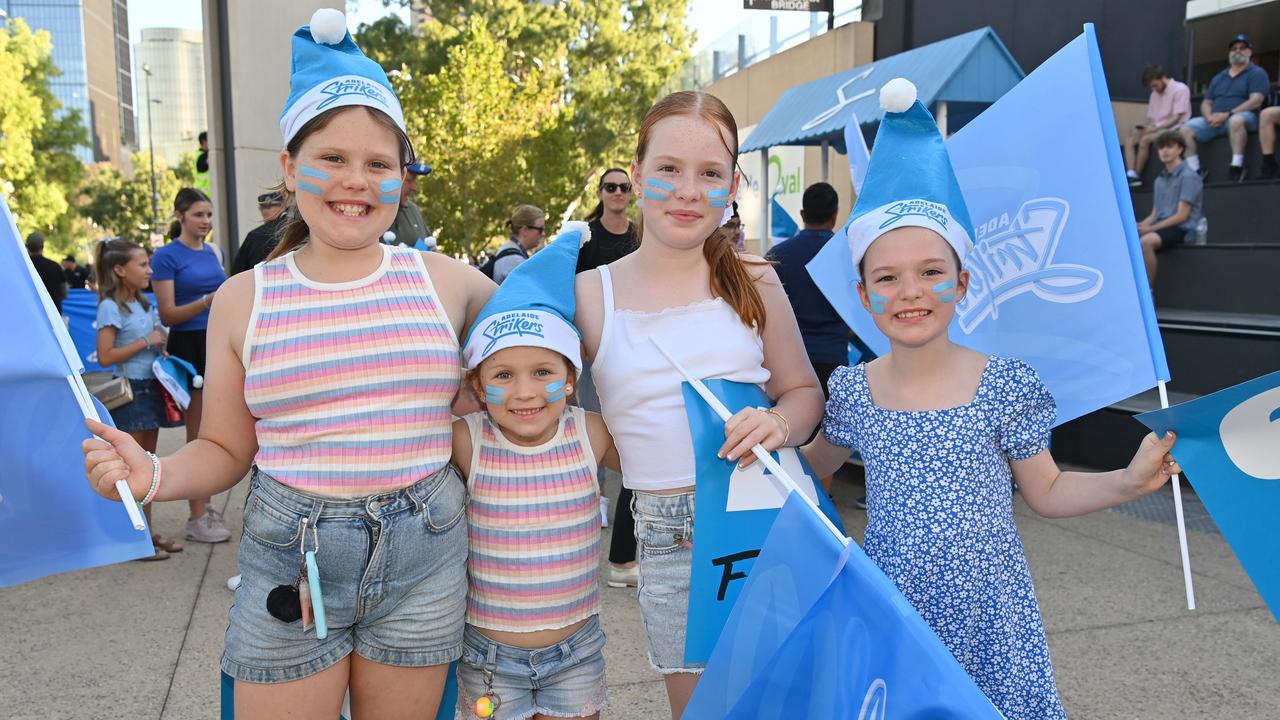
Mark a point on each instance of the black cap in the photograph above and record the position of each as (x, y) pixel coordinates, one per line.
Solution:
(418, 168)
(271, 198)
(1240, 39)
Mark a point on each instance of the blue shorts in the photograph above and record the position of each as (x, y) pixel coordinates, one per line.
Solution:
(664, 545)
(393, 572)
(1205, 132)
(145, 411)
(561, 680)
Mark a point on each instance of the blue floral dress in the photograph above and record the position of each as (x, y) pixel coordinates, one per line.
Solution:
(940, 521)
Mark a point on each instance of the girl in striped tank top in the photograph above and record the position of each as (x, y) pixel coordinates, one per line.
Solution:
(331, 370)
(533, 644)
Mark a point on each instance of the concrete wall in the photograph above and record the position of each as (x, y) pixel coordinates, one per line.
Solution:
(751, 93)
(244, 148)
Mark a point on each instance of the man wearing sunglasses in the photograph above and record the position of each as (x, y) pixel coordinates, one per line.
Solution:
(612, 233)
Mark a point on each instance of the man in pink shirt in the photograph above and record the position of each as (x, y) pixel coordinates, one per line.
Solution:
(1168, 108)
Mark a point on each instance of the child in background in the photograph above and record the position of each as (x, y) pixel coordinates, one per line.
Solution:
(945, 431)
(724, 314)
(533, 643)
(130, 337)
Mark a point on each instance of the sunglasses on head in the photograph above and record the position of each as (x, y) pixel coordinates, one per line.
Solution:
(622, 187)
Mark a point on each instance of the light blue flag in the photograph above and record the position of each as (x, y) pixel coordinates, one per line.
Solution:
(855, 144)
(782, 225)
(81, 310)
(736, 508)
(820, 632)
(1057, 273)
(1229, 447)
(51, 521)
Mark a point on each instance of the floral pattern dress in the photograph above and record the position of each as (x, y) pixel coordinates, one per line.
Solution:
(940, 521)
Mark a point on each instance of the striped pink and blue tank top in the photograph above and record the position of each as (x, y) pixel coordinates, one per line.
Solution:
(350, 382)
(534, 524)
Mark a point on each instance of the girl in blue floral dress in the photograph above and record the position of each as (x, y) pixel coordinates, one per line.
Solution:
(945, 431)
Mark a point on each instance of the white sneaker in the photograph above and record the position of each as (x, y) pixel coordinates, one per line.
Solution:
(618, 577)
(233, 583)
(207, 529)
(604, 511)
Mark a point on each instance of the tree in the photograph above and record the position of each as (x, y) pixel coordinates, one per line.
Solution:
(518, 101)
(38, 169)
(121, 206)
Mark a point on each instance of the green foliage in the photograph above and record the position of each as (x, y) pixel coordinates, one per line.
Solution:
(518, 101)
(121, 206)
(38, 168)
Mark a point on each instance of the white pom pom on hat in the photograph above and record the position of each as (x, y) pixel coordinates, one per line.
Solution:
(898, 95)
(578, 226)
(328, 26)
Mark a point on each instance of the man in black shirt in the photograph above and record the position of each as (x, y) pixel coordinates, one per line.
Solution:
(261, 240)
(49, 271)
(74, 274)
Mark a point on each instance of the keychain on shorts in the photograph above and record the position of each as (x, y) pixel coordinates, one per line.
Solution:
(488, 703)
(309, 596)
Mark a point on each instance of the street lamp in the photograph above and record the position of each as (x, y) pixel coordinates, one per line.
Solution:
(151, 150)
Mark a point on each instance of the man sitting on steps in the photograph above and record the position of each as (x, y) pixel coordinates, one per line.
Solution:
(1230, 107)
(1176, 205)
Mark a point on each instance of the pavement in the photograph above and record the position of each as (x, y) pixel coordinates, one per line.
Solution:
(142, 640)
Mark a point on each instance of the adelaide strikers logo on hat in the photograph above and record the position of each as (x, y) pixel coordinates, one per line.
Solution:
(936, 212)
(518, 323)
(347, 86)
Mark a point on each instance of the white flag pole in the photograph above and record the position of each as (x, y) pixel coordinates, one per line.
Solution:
(1182, 527)
(761, 454)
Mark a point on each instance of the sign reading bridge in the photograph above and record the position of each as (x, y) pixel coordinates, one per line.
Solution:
(805, 5)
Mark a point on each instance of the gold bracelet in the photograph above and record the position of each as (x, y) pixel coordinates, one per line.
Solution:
(786, 426)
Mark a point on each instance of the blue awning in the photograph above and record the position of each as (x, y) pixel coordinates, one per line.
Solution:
(973, 67)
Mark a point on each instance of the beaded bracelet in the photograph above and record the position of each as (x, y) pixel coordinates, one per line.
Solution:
(786, 426)
(155, 481)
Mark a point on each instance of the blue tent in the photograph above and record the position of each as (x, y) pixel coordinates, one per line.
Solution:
(971, 70)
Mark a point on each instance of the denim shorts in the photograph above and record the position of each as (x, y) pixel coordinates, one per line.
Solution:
(145, 411)
(561, 680)
(1204, 132)
(393, 574)
(664, 543)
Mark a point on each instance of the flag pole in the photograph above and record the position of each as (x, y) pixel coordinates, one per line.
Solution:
(1177, 509)
(761, 454)
(122, 486)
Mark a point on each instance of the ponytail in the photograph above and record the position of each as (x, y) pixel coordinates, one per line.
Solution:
(175, 230)
(106, 256)
(597, 213)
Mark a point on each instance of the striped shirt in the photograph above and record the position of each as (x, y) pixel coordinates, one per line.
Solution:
(350, 382)
(534, 525)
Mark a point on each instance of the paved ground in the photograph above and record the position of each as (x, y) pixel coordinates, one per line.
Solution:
(142, 640)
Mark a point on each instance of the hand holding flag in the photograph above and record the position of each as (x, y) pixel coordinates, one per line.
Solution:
(114, 462)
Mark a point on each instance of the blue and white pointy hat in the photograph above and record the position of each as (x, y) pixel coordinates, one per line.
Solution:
(329, 71)
(535, 305)
(910, 181)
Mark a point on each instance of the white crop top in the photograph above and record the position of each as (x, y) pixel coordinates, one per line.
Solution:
(640, 394)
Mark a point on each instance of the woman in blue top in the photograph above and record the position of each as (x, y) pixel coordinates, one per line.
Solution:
(130, 337)
(186, 273)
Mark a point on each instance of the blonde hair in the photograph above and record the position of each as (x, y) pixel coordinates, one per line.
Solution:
(730, 279)
(524, 216)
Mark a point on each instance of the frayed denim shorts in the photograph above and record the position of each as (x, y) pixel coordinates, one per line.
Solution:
(664, 547)
(561, 680)
(145, 411)
(393, 577)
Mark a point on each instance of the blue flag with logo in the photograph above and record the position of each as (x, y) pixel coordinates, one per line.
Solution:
(820, 632)
(736, 508)
(1056, 274)
(51, 521)
(1229, 447)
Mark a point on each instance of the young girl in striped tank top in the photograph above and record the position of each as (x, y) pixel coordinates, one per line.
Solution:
(331, 370)
(533, 644)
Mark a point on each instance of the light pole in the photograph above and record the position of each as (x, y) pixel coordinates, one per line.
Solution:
(151, 151)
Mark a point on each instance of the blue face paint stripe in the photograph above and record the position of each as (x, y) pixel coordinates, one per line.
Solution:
(494, 399)
(309, 187)
(718, 203)
(313, 173)
(653, 195)
(387, 186)
(660, 184)
(947, 298)
(944, 286)
(555, 397)
(554, 386)
(879, 303)
(494, 395)
(389, 199)
(718, 193)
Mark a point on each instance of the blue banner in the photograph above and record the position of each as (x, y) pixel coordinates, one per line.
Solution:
(1056, 275)
(782, 225)
(820, 632)
(735, 509)
(1229, 447)
(81, 310)
(51, 521)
